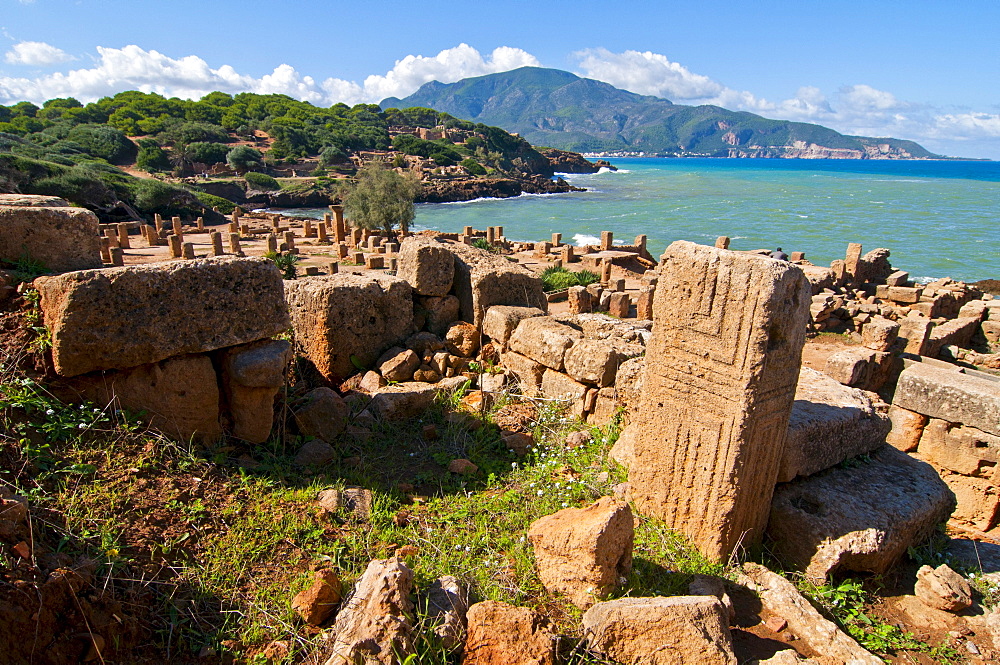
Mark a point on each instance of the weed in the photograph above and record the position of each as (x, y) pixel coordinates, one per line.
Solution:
(286, 262)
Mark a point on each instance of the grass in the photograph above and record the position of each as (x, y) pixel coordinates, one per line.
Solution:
(558, 278)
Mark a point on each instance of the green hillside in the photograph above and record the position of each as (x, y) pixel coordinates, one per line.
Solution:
(559, 109)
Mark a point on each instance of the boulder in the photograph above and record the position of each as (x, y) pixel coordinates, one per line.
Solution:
(582, 552)
(316, 604)
(374, 626)
(528, 372)
(544, 340)
(403, 400)
(830, 422)
(345, 315)
(502, 634)
(879, 333)
(483, 279)
(251, 376)
(427, 265)
(398, 364)
(628, 383)
(315, 453)
(462, 339)
(322, 413)
(439, 312)
(559, 386)
(851, 367)
(861, 517)
(943, 589)
(501, 320)
(661, 631)
(447, 604)
(821, 636)
(950, 395)
(180, 396)
(593, 361)
(117, 318)
(959, 448)
(60, 237)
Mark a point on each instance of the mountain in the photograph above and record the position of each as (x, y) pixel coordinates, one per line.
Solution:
(550, 107)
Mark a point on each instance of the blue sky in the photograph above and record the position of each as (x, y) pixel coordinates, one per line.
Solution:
(922, 70)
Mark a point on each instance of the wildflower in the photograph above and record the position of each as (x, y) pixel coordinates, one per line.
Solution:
(82, 426)
(540, 493)
(49, 412)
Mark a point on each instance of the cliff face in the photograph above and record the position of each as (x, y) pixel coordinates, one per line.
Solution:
(447, 191)
(563, 161)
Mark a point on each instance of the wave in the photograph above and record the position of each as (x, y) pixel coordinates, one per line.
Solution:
(582, 239)
(500, 198)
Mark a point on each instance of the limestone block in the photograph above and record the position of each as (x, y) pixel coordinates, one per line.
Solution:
(62, 238)
(398, 364)
(346, 315)
(32, 201)
(829, 423)
(629, 383)
(721, 369)
(502, 634)
(661, 631)
(851, 367)
(180, 395)
(559, 386)
(544, 340)
(251, 376)
(958, 448)
(124, 317)
(914, 333)
(991, 330)
(977, 500)
(403, 400)
(374, 625)
(619, 304)
(581, 552)
(322, 414)
(950, 395)
(879, 334)
(439, 312)
(907, 428)
(943, 589)
(528, 372)
(501, 320)
(818, 634)
(819, 277)
(898, 278)
(483, 279)
(904, 294)
(957, 332)
(605, 406)
(593, 361)
(861, 517)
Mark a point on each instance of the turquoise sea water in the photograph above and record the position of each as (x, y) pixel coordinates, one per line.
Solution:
(938, 218)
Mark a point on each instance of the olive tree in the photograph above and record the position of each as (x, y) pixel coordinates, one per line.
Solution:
(382, 198)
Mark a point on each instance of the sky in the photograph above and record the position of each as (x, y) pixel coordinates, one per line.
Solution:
(923, 70)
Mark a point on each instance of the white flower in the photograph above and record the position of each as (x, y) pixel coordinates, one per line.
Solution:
(82, 425)
(540, 493)
(49, 412)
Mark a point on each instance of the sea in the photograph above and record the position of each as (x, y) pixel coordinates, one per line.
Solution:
(937, 218)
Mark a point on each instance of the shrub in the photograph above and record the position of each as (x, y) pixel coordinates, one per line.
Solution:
(104, 142)
(473, 167)
(557, 279)
(331, 155)
(206, 152)
(261, 181)
(225, 206)
(155, 196)
(586, 278)
(243, 158)
(78, 185)
(151, 157)
(382, 198)
(442, 159)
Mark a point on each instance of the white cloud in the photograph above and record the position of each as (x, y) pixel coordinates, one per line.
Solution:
(647, 73)
(191, 77)
(38, 54)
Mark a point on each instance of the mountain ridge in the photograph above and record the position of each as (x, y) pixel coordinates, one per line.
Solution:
(551, 107)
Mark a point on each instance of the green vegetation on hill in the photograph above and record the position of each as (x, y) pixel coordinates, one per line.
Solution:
(74, 150)
(559, 109)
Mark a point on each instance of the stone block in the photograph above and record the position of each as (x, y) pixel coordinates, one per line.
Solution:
(180, 395)
(914, 331)
(123, 317)
(502, 634)
(544, 340)
(501, 320)
(851, 367)
(957, 332)
(398, 364)
(629, 384)
(251, 376)
(346, 315)
(528, 372)
(593, 361)
(943, 589)
(483, 279)
(582, 552)
(991, 330)
(898, 278)
(619, 304)
(904, 294)
(958, 448)
(879, 334)
(404, 400)
(829, 423)
(559, 386)
(721, 369)
(950, 395)
(861, 517)
(907, 428)
(427, 265)
(60, 237)
(977, 500)
(661, 630)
